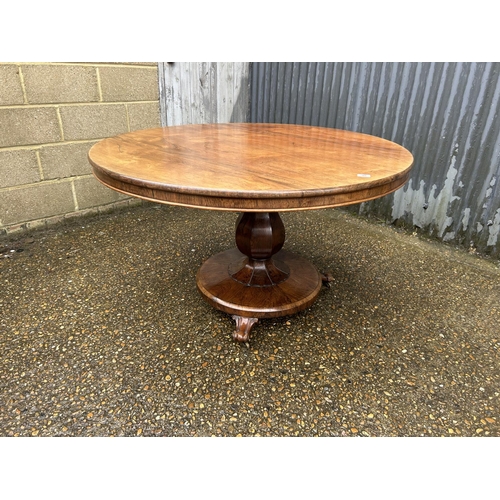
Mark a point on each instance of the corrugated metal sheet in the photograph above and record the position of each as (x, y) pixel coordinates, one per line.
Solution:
(204, 92)
(446, 114)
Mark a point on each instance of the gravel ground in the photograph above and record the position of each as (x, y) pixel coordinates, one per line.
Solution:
(103, 333)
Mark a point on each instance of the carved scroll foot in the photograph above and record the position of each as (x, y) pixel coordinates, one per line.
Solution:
(243, 327)
(326, 278)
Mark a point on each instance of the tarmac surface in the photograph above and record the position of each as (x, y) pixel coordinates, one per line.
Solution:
(103, 333)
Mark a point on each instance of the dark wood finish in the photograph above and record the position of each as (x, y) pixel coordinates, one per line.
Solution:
(258, 169)
(258, 279)
(259, 235)
(292, 295)
(243, 327)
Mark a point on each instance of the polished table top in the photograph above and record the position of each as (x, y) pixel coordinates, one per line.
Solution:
(251, 167)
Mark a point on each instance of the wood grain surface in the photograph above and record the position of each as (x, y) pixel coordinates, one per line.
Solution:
(296, 293)
(251, 166)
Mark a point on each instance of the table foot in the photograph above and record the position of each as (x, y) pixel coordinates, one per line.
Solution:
(326, 278)
(243, 327)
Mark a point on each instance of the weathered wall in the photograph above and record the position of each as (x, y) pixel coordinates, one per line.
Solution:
(204, 92)
(446, 114)
(50, 116)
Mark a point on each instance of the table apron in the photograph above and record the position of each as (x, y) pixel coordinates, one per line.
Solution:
(239, 202)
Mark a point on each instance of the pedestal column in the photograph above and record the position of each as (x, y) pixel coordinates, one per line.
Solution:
(258, 279)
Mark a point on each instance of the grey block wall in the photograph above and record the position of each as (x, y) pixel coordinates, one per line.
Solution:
(50, 116)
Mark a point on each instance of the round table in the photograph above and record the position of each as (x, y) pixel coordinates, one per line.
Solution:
(259, 170)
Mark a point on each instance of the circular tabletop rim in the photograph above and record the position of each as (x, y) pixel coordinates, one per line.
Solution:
(249, 200)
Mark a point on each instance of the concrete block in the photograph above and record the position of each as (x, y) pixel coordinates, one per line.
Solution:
(25, 126)
(144, 115)
(65, 160)
(11, 92)
(18, 167)
(35, 202)
(91, 193)
(60, 83)
(93, 121)
(122, 83)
